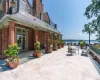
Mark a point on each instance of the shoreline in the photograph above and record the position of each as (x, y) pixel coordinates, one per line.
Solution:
(77, 41)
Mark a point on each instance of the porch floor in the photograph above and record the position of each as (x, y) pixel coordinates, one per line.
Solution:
(27, 56)
(55, 66)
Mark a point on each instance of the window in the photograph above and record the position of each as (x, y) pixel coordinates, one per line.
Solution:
(14, 8)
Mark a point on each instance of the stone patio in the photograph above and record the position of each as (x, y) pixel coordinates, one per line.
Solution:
(54, 66)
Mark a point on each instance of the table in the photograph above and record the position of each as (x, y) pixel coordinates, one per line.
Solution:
(76, 49)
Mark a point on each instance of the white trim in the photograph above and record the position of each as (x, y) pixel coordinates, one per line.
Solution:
(30, 21)
(26, 41)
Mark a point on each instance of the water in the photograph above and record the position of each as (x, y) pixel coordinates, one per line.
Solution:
(77, 41)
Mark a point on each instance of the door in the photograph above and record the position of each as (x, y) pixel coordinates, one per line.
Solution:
(21, 39)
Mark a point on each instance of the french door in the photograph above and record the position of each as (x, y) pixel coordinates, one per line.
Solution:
(21, 38)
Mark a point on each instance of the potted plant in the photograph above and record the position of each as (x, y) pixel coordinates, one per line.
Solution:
(12, 60)
(49, 47)
(55, 45)
(37, 53)
(62, 43)
(59, 43)
(82, 44)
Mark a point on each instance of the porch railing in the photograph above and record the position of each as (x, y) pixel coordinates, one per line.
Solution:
(96, 50)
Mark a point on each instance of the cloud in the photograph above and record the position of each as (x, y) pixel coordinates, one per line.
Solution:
(79, 34)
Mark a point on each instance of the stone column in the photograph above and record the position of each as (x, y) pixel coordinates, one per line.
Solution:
(35, 37)
(11, 32)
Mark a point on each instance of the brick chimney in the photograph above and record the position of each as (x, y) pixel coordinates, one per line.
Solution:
(39, 8)
(55, 26)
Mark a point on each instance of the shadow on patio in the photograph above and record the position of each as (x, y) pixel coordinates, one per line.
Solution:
(23, 57)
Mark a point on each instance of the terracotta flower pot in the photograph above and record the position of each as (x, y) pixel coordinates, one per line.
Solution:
(50, 51)
(34, 54)
(62, 46)
(59, 46)
(12, 64)
(38, 54)
(81, 47)
(55, 49)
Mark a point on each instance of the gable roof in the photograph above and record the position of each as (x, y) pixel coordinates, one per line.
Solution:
(28, 20)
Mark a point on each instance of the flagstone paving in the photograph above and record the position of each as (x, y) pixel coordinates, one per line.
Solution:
(54, 66)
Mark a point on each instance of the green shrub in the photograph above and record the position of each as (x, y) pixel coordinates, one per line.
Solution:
(12, 50)
(62, 41)
(82, 43)
(37, 44)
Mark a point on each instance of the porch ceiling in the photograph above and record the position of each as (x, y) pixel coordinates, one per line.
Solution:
(29, 20)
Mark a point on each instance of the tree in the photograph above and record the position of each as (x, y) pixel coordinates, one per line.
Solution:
(98, 36)
(88, 29)
(93, 10)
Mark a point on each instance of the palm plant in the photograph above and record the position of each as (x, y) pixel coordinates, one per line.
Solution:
(88, 29)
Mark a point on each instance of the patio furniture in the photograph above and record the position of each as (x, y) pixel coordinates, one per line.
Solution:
(76, 49)
(71, 50)
(85, 51)
(74, 44)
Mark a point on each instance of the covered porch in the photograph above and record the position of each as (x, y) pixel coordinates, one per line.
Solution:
(25, 37)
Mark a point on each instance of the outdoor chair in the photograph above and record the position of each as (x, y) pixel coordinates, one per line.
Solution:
(85, 51)
(70, 50)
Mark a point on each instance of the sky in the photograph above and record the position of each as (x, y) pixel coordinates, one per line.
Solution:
(69, 16)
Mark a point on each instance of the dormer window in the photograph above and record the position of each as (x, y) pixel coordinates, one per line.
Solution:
(14, 6)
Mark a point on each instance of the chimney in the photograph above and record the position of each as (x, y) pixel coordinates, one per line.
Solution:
(38, 6)
(55, 26)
